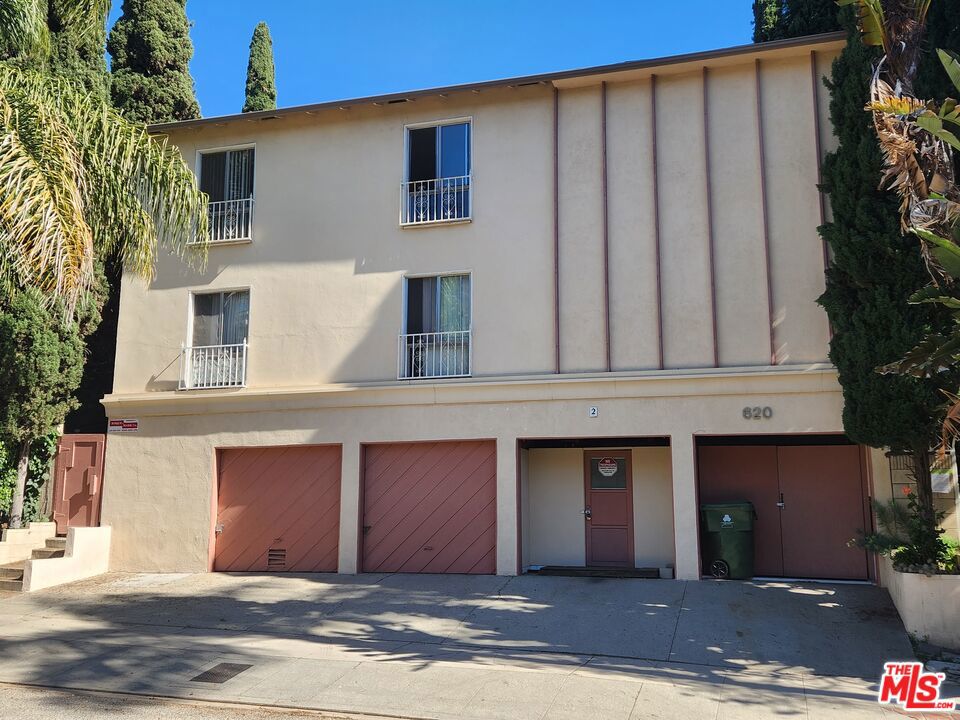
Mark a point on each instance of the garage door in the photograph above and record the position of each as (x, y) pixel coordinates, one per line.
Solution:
(809, 501)
(278, 509)
(430, 507)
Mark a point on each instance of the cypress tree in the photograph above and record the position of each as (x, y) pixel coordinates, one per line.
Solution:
(810, 17)
(151, 50)
(767, 20)
(261, 82)
(874, 271)
(79, 56)
(781, 19)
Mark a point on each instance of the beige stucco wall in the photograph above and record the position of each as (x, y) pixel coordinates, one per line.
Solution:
(326, 265)
(158, 496)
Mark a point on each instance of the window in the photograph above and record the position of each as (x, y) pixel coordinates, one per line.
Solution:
(220, 318)
(437, 327)
(217, 356)
(227, 177)
(437, 183)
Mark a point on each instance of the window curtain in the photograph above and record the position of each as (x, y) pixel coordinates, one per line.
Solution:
(239, 180)
(454, 303)
(236, 314)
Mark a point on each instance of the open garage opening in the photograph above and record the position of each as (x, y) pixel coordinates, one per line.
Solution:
(600, 505)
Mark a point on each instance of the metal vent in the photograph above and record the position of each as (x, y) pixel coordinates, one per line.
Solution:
(276, 558)
(221, 672)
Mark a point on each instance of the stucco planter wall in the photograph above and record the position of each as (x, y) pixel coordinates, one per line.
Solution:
(928, 605)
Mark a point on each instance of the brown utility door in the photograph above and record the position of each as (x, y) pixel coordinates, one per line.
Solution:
(730, 474)
(608, 509)
(809, 501)
(78, 481)
(822, 510)
(430, 507)
(278, 509)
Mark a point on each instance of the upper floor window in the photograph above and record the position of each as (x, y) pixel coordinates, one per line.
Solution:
(217, 355)
(437, 174)
(227, 177)
(436, 340)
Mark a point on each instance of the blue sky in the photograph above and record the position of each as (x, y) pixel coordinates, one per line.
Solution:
(326, 50)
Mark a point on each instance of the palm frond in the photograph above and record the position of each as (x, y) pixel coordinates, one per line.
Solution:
(46, 242)
(23, 27)
(872, 21)
(122, 190)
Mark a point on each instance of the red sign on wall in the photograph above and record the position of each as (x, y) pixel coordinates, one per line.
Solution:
(123, 425)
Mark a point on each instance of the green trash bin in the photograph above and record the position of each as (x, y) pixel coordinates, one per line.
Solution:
(726, 539)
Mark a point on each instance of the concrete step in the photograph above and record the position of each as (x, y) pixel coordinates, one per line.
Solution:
(11, 572)
(57, 543)
(44, 553)
(11, 585)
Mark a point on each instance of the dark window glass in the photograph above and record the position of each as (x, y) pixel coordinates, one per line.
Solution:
(608, 473)
(423, 154)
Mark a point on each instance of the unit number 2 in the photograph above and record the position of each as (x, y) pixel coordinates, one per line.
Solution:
(757, 413)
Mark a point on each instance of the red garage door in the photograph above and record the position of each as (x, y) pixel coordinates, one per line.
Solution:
(809, 501)
(430, 507)
(278, 509)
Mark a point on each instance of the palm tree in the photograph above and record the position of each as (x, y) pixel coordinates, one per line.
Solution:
(77, 181)
(78, 184)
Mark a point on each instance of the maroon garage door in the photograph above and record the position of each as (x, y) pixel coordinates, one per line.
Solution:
(809, 501)
(430, 507)
(278, 509)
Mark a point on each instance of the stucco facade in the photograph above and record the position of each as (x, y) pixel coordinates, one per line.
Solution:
(643, 262)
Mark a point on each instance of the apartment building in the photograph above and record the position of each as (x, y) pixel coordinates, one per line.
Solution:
(479, 329)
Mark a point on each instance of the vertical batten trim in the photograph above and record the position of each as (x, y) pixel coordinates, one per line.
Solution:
(656, 214)
(556, 229)
(606, 223)
(819, 149)
(710, 240)
(821, 198)
(763, 211)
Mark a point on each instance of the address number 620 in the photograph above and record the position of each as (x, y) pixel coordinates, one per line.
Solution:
(757, 413)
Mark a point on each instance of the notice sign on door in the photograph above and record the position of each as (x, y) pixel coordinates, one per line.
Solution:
(123, 425)
(607, 467)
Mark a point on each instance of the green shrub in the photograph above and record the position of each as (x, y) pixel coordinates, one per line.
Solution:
(912, 543)
(38, 473)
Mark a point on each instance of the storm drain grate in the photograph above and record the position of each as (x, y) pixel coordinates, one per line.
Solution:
(221, 673)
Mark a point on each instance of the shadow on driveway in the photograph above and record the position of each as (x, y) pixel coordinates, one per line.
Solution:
(144, 633)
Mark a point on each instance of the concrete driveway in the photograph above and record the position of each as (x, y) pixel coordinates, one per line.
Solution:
(459, 646)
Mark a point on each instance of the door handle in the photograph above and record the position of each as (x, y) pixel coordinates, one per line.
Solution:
(94, 483)
(780, 504)
(218, 528)
(367, 528)
(587, 513)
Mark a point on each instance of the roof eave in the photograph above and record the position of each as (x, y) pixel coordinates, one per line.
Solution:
(661, 62)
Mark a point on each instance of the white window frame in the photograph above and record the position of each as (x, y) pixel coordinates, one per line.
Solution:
(433, 123)
(213, 291)
(414, 276)
(198, 168)
(405, 174)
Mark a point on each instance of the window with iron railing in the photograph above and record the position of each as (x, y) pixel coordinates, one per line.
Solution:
(437, 177)
(437, 337)
(226, 176)
(217, 354)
